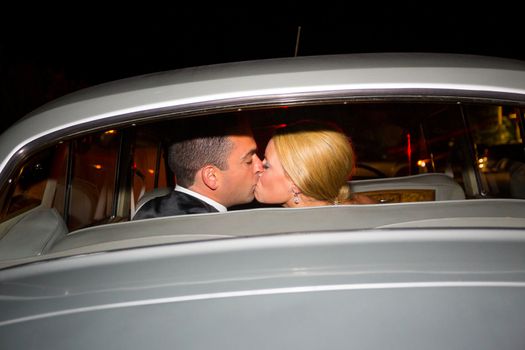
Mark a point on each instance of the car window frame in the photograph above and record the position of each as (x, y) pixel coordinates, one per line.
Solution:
(147, 116)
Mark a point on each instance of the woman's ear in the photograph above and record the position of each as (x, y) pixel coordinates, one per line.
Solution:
(209, 176)
(295, 189)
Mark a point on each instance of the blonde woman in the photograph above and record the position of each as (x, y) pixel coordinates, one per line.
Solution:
(308, 163)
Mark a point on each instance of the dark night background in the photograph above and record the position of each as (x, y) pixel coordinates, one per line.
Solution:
(52, 52)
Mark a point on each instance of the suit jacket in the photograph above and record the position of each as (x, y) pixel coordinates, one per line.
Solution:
(174, 203)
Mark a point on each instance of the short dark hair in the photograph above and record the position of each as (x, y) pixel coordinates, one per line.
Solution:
(200, 142)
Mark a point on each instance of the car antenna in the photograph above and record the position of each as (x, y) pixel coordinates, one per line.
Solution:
(297, 40)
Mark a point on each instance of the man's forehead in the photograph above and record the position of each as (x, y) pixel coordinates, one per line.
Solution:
(242, 139)
(243, 145)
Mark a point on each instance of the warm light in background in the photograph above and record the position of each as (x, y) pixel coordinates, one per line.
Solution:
(482, 162)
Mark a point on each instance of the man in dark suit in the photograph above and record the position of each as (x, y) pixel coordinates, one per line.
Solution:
(215, 167)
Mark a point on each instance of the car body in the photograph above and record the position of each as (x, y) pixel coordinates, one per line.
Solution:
(438, 263)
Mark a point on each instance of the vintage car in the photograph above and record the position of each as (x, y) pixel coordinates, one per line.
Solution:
(437, 263)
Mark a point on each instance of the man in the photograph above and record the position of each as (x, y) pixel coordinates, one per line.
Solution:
(215, 168)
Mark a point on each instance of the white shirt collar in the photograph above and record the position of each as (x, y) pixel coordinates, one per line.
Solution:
(221, 208)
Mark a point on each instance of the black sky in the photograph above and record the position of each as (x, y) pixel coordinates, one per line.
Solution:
(49, 53)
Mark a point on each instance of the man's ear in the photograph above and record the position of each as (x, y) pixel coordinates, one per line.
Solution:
(209, 176)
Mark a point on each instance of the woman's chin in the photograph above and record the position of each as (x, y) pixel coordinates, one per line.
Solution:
(259, 197)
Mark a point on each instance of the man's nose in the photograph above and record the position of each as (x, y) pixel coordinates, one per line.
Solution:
(258, 165)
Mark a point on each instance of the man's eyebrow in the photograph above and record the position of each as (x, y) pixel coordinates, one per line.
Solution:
(249, 154)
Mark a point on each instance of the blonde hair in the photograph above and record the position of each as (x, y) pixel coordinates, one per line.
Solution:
(318, 157)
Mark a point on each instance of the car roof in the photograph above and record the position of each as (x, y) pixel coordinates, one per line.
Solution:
(271, 77)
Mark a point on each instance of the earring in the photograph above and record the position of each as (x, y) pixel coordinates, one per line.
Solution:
(296, 198)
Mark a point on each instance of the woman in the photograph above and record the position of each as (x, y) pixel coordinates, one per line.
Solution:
(308, 163)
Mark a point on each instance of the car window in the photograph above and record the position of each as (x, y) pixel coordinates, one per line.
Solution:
(76, 177)
(93, 177)
(46, 169)
(497, 137)
(89, 180)
(149, 162)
